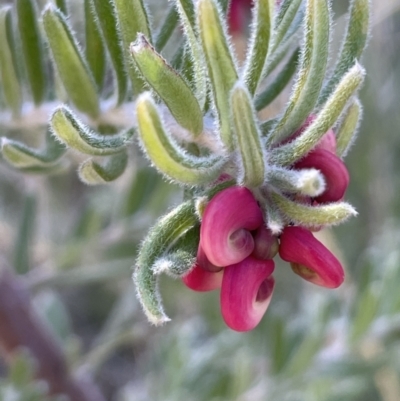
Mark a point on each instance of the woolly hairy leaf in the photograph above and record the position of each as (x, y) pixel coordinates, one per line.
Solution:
(132, 18)
(221, 67)
(313, 62)
(313, 216)
(353, 44)
(93, 173)
(95, 51)
(287, 154)
(247, 136)
(167, 28)
(259, 43)
(69, 130)
(169, 85)
(71, 66)
(32, 48)
(8, 73)
(164, 152)
(160, 238)
(106, 12)
(346, 132)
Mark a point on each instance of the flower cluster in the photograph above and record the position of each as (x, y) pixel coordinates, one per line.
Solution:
(236, 248)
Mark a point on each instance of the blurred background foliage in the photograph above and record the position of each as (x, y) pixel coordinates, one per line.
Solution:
(75, 246)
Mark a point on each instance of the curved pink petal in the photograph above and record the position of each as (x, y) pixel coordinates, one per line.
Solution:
(203, 262)
(333, 169)
(246, 292)
(309, 258)
(201, 280)
(225, 229)
(265, 243)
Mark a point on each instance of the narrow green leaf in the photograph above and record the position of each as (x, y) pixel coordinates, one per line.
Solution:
(274, 218)
(8, 73)
(221, 66)
(287, 12)
(62, 5)
(59, 167)
(353, 44)
(188, 19)
(70, 131)
(313, 63)
(346, 132)
(32, 48)
(171, 160)
(259, 43)
(248, 137)
(167, 28)
(72, 68)
(181, 257)
(95, 51)
(21, 156)
(160, 238)
(169, 85)
(93, 173)
(287, 154)
(24, 237)
(264, 98)
(313, 216)
(132, 18)
(224, 4)
(107, 17)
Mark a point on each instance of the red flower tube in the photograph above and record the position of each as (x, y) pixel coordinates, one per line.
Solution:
(201, 280)
(225, 229)
(246, 292)
(309, 258)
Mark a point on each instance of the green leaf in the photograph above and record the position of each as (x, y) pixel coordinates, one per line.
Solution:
(132, 18)
(181, 257)
(93, 173)
(313, 61)
(220, 64)
(160, 238)
(353, 44)
(169, 85)
(95, 51)
(71, 66)
(259, 43)
(287, 154)
(62, 5)
(188, 19)
(21, 156)
(279, 83)
(247, 136)
(107, 17)
(32, 48)
(8, 73)
(70, 131)
(24, 237)
(167, 28)
(347, 130)
(171, 160)
(287, 12)
(313, 216)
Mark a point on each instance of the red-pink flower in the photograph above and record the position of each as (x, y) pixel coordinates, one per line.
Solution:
(266, 244)
(246, 292)
(238, 15)
(227, 221)
(199, 279)
(309, 258)
(334, 171)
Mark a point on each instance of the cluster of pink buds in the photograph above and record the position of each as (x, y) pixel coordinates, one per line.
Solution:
(236, 248)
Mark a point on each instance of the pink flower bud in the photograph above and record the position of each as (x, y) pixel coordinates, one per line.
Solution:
(266, 245)
(238, 15)
(204, 263)
(225, 229)
(333, 169)
(309, 258)
(199, 279)
(246, 292)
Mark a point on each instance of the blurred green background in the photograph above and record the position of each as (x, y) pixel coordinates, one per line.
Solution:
(76, 246)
